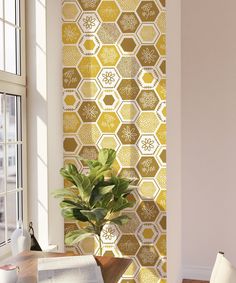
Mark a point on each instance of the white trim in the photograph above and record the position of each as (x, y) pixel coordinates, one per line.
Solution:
(197, 272)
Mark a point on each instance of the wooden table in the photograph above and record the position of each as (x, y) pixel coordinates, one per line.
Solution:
(112, 268)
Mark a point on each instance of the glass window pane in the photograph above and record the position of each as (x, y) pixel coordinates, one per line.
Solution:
(2, 171)
(11, 167)
(11, 213)
(1, 47)
(10, 11)
(11, 126)
(2, 220)
(10, 49)
(1, 8)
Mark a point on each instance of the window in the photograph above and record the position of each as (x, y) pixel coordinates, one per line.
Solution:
(12, 119)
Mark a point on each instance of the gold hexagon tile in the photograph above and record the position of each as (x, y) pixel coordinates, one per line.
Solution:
(148, 11)
(128, 22)
(132, 270)
(161, 134)
(148, 211)
(161, 89)
(147, 100)
(128, 89)
(162, 222)
(70, 33)
(125, 280)
(108, 77)
(148, 77)
(147, 55)
(89, 22)
(130, 173)
(132, 226)
(108, 11)
(128, 111)
(161, 178)
(110, 251)
(148, 233)
(89, 67)
(128, 133)
(108, 33)
(147, 144)
(108, 122)
(161, 200)
(128, 5)
(128, 155)
(108, 99)
(148, 189)
(128, 66)
(148, 166)
(109, 141)
(89, 134)
(89, 111)
(70, 100)
(161, 155)
(148, 33)
(128, 245)
(162, 268)
(89, 245)
(128, 45)
(147, 255)
(71, 55)
(161, 22)
(71, 78)
(89, 89)
(161, 45)
(147, 275)
(88, 152)
(89, 5)
(70, 11)
(70, 145)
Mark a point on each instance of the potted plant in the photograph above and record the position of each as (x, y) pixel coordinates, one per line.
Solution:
(95, 198)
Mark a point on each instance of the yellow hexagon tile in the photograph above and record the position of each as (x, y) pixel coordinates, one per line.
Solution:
(128, 5)
(148, 100)
(128, 111)
(108, 55)
(109, 141)
(70, 33)
(108, 122)
(148, 33)
(128, 67)
(89, 89)
(161, 89)
(132, 270)
(161, 134)
(71, 122)
(108, 100)
(128, 155)
(110, 250)
(108, 11)
(89, 67)
(162, 222)
(161, 245)
(148, 233)
(132, 226)
(161, 44)
(161, 178)
(89, 245)
(162, 67)
(162, 268)
(147, 275)
(70, 100)
(89, 134)
(89, 44)
(70, 11)
(161, 111)
(161, 200)
(148, 78)
(71, 55)
(125, 280)
(161, 22)
(88, 152)
(147, 122)
(148, 189)
(130, 173)
(161, 155)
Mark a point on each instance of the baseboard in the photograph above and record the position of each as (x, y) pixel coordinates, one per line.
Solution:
(197, 272)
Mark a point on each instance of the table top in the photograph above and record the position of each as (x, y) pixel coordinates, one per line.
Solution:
(112, 268)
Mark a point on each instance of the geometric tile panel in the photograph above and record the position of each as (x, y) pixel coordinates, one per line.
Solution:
(114, 95)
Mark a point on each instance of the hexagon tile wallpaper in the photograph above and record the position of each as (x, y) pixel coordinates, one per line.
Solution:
(114, 96)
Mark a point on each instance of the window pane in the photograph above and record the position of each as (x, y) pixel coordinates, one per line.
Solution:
(11, 126)
(11, 167)
(1, 8)
(10, 49)
(1, 47)
(2, 179)
(2, 220)
(11, 213)
(10, 11)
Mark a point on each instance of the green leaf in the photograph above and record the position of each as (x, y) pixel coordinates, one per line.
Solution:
(69, 203)
(76, 236)
(96, 214)
(74, 214)
(120, 220)
(66, 192)
(121, 204)
(106, 156)
(105, 189)
(68, 171)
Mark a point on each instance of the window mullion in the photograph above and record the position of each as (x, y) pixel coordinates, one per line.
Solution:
(3, 36)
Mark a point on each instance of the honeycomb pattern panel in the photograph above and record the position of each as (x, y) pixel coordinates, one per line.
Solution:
(114, 95)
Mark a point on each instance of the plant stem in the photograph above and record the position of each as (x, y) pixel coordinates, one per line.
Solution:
(100, 245)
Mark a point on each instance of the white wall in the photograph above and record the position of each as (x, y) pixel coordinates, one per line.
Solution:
(208, 133)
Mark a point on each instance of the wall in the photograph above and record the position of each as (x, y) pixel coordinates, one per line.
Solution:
(208, 133)
(114, 96)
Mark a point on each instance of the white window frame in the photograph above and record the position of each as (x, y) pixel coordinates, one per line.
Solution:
(16, 85)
